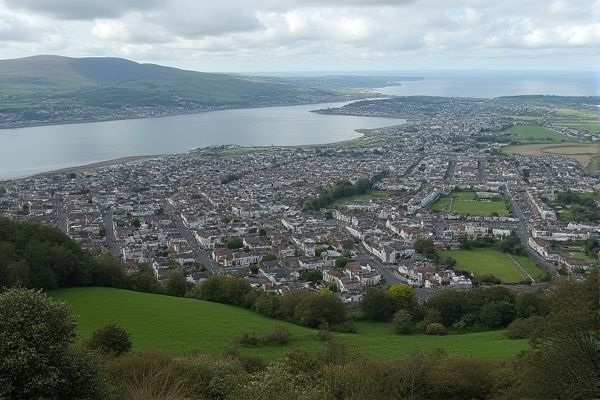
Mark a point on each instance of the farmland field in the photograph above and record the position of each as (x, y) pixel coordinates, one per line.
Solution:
(182, 325)
(533, 133)
(466, 203)
(483, 261)
(585, 154)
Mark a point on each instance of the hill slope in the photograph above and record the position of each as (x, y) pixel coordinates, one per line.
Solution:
(54, 89)
(180, 325)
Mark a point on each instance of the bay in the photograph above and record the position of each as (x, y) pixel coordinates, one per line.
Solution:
(488, 84)
(27, 151)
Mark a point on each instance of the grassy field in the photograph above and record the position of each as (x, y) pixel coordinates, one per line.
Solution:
(183, 325)
(482, 261)
(586, 154)
(236, 151)
(531, 267)
(371, 195)
(534, 133)
(581, 120)
(466, 203)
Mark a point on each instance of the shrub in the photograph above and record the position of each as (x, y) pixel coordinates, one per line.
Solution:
(345, 327)
(324, 335)
(402, 322)
(497, 314)
(435, 329)
(459, 326)
(377, 305)
(110, 339)
(277, 336)
(35, 357)
(322, 308)
(522, 328)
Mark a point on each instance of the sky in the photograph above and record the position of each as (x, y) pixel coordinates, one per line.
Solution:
(311, 35)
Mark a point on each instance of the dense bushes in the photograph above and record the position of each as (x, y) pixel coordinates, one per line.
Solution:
(342, 189)
(37, 361)
(110, 339)
(523, 328)
(482, 308)
(36, 357)
(435, 328)
(304, 308)
(277, 336)
(37, 256)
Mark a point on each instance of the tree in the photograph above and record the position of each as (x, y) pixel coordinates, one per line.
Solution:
(35, 356)
(341, 262)
(267, 304)
(269, 257)
(289, 302)
(451, 304)
(435, 329)
(564, 359)
(402, 321)
(311, 275)
(110, 339)
(235, 243)
(425, 247)
(177, 285)
(528, 304)
(497, 314)
(143, 280)
(403, 295)
(320, 309)
(377, 305)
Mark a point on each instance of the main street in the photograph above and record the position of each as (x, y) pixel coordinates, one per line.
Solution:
(109, 232)
(198, 253)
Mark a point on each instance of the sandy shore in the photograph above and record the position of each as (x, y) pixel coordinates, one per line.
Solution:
(106, 163)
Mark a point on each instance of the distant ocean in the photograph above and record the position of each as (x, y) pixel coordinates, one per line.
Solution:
(487, 84)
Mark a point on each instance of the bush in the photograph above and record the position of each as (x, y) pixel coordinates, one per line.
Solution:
(522, 328)
(36, 361)
(110, 339)
(324, 335)
(323, 308)
(497, 314)
(377, 305)
(402, 322)
(345, 327)
(435, 329)
(459, 326)
(277, 336)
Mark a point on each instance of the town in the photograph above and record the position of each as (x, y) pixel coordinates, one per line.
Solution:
(402, 204)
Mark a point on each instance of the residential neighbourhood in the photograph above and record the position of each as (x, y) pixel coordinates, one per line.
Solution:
(230, 210)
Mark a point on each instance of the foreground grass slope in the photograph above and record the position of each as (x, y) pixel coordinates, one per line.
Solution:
(182, 325)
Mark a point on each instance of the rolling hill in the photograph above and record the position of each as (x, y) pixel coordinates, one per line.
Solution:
(184, 325)
(54, 89)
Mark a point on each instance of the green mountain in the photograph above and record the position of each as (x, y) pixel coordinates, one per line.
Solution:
(54, 89)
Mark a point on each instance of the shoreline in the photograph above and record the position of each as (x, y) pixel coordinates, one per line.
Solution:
(123, 160)
(87, 167)
(190, 112)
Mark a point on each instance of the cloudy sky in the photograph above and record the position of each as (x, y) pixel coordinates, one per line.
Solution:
(319, 35)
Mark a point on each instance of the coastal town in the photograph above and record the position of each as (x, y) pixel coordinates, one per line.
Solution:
(402, 204)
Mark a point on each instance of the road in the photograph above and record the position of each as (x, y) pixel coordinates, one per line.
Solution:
(481, 170)
(109, 232)
(450, 171)
(61, 214)
(523, 234)
(199, 254)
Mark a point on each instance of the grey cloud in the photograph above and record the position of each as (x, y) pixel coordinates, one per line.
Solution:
(82, 9)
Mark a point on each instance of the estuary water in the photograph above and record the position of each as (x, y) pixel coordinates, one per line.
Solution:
(27, 151)
(488, 84)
